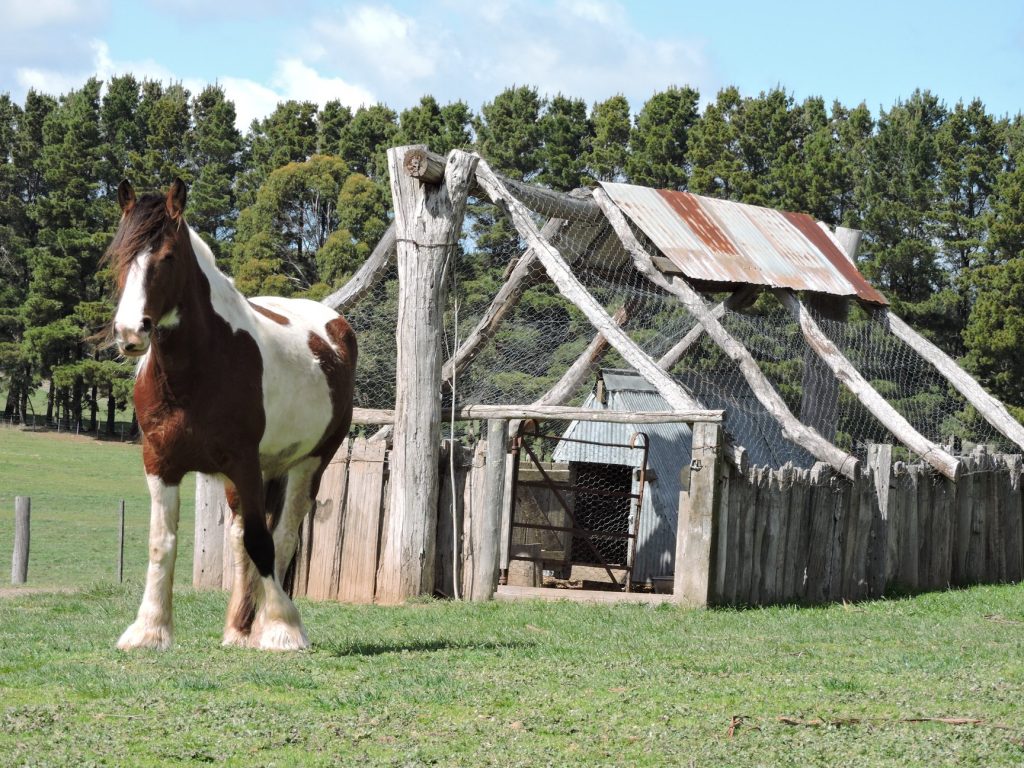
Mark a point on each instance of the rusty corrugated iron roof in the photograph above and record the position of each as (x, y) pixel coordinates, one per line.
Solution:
(726, 242)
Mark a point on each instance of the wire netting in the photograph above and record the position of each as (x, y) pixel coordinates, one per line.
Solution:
(512, 338)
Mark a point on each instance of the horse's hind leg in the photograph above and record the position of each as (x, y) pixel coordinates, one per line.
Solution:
(277, 625)
(298, 501)
(154, 625)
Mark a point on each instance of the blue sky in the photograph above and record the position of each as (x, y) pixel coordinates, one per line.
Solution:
(394, 52)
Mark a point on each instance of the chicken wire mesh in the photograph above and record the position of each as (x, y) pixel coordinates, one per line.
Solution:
(511, 337)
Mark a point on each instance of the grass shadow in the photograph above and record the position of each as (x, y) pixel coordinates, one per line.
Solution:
(425, 646)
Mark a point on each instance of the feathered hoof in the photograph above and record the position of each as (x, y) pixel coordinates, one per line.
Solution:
(280, 636)
(158, 637)
(235, 638)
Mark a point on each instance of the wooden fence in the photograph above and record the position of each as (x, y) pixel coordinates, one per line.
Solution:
(340, 542)
(812, 536)
(753, 537)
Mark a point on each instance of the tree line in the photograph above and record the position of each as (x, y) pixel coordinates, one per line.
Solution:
(295, 204)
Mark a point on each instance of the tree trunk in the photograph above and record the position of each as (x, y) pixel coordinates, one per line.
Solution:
(111, 408)
(51, 396)
(94, 410)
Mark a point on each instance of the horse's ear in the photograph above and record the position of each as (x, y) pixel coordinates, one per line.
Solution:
(176, 199)
(125, 196)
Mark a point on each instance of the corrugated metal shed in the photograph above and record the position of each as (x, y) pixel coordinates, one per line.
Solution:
(669, 452)
(725, 242)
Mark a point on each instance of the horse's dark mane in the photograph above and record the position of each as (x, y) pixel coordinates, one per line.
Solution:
(142, 228)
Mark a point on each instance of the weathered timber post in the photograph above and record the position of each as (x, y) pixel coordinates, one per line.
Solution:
(212, 517)
(487, 520)
(120, 544)
(699, 508)
(19, 562)
(428, 221)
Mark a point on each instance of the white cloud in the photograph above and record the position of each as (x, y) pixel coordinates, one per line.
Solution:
(292, 79)
(21, 15)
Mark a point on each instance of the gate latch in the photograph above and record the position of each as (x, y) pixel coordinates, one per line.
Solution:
(695, 465)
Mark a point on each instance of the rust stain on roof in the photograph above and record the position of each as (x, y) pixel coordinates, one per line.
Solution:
(810, 229)
(725, 242)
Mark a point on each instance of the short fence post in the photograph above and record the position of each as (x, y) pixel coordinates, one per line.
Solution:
(120, 547)
(19, 563)
(699, 508)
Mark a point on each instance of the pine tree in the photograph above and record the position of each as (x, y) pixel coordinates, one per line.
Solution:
(214, 148)
(442, 129)
(508, 132)
(566, 133)
(609, 148)
(714, 149)
(366, 139)
(660, 139)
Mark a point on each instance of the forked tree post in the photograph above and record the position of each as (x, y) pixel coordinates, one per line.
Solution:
(428, 224)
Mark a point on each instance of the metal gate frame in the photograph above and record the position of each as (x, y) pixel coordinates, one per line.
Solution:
(519, 445)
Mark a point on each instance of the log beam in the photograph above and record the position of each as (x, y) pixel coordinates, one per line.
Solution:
(544, 412)
(366, 276)
(739, 299)
(869, 397)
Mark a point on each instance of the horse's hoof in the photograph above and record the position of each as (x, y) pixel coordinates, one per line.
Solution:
(280, 636)
(235, 638)
(140, 635)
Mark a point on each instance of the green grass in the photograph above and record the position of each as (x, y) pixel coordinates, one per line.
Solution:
(502, 684)
(76, 484)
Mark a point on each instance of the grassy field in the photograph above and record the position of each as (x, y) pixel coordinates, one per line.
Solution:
(503, 684)
(76, 484)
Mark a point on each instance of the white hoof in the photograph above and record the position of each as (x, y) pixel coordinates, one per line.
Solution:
(143, 635)
(280, 636)
(235, 638)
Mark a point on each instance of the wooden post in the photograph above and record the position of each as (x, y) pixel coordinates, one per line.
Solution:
(699, 509)
(819, 389)
(487, 521)
(212, 517)
(120, 544)
(428, 223)
(22, 516)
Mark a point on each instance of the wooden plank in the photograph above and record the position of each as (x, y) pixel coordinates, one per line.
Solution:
(699, 513)
(509, 592)
(739, 489)
(760, 513)
(796, 537)
(906, 477)
(1014, 531)
(363, 517)
(926, 538)
(449, 522)
(996, 536)
(303, 550)
(775, 534)
(327, 528)
(819, 534)
(942, 524)
(868, 396)
(428, 223)
(720, 535)
(841, 501)
(961, 533)
(212, 514)
(748, 523)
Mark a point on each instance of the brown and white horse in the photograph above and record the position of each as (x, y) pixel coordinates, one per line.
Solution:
(255, 391)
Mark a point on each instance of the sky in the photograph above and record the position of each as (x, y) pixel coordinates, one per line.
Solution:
(362, 53)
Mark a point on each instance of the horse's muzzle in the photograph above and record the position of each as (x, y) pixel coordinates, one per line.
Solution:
(131, 343)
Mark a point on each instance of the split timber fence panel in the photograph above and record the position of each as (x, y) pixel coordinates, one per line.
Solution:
(338, 554)
(811, 536)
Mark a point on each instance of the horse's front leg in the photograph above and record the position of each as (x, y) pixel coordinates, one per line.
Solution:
(154, 626)
(276, 626)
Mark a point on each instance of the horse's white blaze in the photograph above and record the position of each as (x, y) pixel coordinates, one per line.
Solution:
(153, 627)
(296, 396)
(133, 300)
